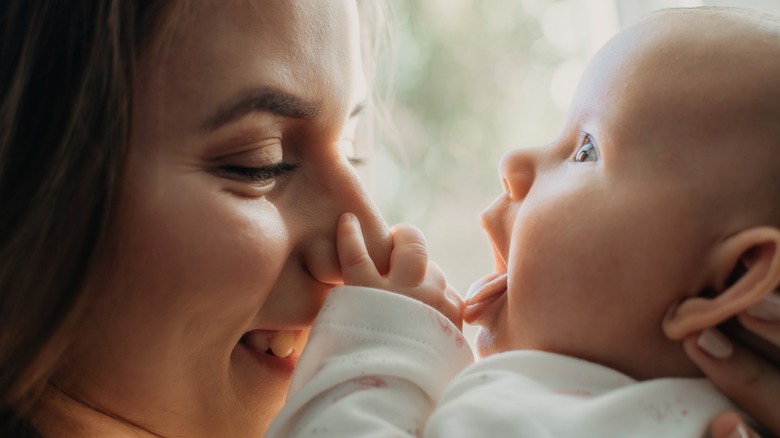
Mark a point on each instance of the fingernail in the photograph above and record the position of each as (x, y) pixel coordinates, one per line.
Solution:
(739, 432)
(347, 217)
(767, 309)
(715, 344)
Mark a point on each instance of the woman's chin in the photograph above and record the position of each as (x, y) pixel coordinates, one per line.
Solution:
(260, 382)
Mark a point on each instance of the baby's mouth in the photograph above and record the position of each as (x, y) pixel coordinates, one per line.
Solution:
(278, 343)
(483, 292)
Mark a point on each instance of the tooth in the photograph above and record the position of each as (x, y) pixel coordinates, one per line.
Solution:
(282, 344)
(257, 341)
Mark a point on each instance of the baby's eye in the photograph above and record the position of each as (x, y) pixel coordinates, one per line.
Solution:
(587, 152)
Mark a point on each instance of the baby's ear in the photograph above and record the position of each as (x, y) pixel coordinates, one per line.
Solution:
(744, 268)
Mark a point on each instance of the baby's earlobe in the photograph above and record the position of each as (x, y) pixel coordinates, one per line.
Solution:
(745, 268)
(688, 316)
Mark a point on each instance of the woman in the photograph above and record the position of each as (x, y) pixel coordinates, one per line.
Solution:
(171, 174)
(162, 247)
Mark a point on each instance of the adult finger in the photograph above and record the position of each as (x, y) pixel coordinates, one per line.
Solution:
(731, 425)
(357, 268)
(750, 381)
(409, 260)
(763, 319)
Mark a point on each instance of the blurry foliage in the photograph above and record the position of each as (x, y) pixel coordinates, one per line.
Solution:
(472, 81)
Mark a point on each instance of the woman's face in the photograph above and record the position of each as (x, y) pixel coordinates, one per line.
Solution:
(234, 182)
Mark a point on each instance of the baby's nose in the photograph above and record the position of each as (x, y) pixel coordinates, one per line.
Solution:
(516, 170)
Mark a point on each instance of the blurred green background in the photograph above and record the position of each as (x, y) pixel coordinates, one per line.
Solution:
(473, 79)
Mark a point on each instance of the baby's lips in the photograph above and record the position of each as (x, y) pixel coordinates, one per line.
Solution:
(483, 292)
(479, 284)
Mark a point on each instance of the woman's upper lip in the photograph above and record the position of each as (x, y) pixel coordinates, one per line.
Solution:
(281, 343)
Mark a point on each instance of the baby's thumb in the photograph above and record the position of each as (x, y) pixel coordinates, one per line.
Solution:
(409, 260)
(357, 268)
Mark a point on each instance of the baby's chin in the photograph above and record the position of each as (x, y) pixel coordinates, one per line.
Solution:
(485, 343)
(488, 342)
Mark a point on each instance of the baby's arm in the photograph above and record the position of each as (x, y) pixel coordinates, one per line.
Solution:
(411, 273)
(376, 362)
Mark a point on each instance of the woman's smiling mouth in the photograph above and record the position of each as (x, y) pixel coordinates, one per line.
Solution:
(278, 343)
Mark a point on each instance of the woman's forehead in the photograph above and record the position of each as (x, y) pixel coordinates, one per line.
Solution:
(307, 49)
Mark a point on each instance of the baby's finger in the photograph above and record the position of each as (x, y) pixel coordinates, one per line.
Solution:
(409, 260)
(456, 303)
(357, 268)
(437, 293)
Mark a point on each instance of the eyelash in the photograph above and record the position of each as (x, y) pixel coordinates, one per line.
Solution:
(260, 174)
(356, 161)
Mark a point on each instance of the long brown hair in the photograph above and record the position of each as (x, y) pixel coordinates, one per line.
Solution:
(66, 82)
(65, 87)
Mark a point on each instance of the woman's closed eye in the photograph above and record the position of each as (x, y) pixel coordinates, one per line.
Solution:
(262, 175)
(588, 151)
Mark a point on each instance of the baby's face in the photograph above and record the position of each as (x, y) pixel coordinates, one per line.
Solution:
(598, 233)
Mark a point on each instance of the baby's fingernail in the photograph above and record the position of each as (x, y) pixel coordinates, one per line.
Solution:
(767, 309)
(347, 217)
(715, 344)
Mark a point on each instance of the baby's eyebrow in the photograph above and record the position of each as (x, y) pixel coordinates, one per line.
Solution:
(261, 100)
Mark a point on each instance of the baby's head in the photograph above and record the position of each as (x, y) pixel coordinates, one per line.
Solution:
(664, 181)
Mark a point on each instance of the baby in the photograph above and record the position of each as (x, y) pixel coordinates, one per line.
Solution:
(654, 215)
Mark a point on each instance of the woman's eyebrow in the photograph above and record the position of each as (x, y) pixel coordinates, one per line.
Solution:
(261, 100)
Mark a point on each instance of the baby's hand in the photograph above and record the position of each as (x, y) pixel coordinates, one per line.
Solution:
(410, 274)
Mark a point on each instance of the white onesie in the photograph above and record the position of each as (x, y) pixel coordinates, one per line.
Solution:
(382, 365)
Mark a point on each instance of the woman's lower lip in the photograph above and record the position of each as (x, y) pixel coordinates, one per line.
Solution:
(483, 292)
(259, 373)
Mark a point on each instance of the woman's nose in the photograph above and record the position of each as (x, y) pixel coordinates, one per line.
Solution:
(376, 233)
(340, 190)
(517, 172)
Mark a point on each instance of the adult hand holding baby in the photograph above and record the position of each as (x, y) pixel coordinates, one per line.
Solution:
(411, 273)
(751, 381)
